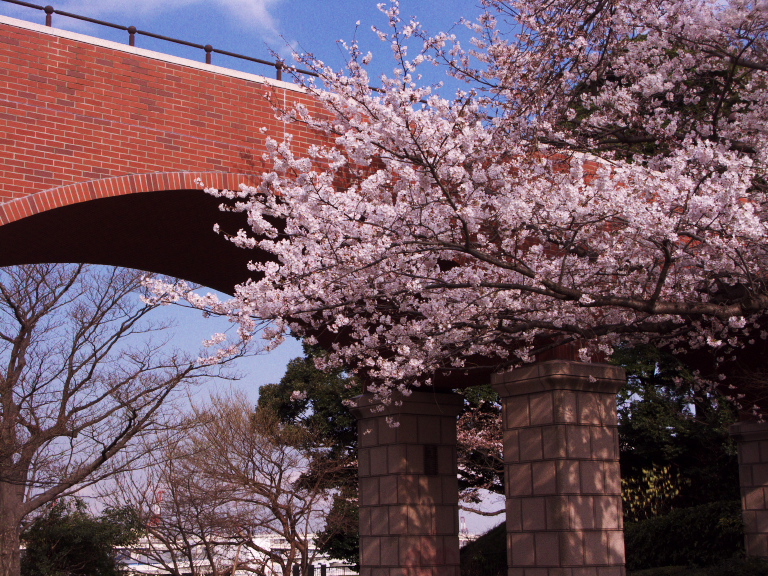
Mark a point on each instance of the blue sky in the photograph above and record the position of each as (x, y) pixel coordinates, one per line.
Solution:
(252, 27)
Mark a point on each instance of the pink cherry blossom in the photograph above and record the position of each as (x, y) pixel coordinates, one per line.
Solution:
(600, 179)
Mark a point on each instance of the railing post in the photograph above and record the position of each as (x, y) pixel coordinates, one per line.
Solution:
(133, 31)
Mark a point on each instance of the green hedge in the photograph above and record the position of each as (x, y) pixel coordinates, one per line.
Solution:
(733, 567)
(699, 536)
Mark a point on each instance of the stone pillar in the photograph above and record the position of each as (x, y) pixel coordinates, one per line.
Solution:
(408, 485)
(752, 442)
(562, 477)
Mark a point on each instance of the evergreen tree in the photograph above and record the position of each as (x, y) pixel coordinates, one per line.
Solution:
(315, 399)
(667, 423)
(66, 540)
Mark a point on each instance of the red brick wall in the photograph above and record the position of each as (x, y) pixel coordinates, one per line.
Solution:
(73, 113)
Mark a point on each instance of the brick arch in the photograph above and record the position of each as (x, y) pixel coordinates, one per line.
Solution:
(160, 222)
(99, 139)
(60, 196)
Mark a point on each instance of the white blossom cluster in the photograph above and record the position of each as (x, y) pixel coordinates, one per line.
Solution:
(602, 179)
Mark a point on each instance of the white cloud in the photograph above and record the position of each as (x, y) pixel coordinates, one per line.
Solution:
(256, 14)
(253, 11)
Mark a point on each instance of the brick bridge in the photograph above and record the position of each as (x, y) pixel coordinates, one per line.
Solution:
(100, 148)
(101, 143)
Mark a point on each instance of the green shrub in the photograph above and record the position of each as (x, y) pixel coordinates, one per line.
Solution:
(486, 556)
(671, 571)
(740, 567)
(699, 536)
(66, 540)
(710, 535)
(653, 492)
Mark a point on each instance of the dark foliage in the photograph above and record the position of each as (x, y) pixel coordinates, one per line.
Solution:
(480, 467)
(320, 405)
(67, 541)
(702, 535)
(664, 420)
(486, 556)
(308, 397)
(710, 535)
(732, 567)
(340, 536)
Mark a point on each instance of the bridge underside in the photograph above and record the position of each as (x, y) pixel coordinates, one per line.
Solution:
(167, 232)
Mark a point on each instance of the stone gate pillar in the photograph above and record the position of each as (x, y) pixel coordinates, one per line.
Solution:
(752, 441)
(562, 478)
(408, 485)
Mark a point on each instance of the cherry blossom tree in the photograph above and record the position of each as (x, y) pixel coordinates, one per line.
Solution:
(480, 450)
(600, 179)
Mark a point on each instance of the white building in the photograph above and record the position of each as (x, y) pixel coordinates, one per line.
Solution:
(151, 557)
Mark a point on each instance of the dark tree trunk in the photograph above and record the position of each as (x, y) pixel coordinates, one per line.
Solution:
(10, 554)
(11, 503)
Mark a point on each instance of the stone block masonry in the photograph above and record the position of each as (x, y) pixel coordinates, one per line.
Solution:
(408, 485)
(752, 441)
(561, 458)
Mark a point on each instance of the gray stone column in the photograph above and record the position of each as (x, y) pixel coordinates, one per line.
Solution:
(408, 485)
(562, 477)
(752, 442)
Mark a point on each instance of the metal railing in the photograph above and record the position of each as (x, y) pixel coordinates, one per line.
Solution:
(278, 65)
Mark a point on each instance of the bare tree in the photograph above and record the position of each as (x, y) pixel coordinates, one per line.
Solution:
(236, 493)
(84, 376)
(191, 524)
(263, 464)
